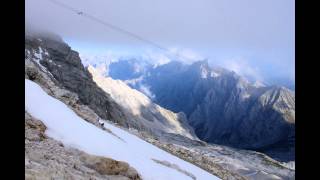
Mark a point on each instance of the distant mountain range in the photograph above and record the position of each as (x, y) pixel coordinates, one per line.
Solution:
(194, 92)
(221, 106)
(110, 99)
(142, 109)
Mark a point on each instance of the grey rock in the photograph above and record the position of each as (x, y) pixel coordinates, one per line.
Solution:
(225, 162)
(221, 106)
(61, 66)
(65, 66)
(46, 158)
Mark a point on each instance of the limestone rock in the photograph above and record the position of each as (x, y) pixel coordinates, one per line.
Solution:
(46, 158)
(107, 166)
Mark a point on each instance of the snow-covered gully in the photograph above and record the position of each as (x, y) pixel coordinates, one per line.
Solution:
(65, 126)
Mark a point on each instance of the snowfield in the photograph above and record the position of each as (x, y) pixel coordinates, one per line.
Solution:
(64, 125)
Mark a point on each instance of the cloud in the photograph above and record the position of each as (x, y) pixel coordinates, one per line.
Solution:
(185, 55)
(243, 68)
(212, 28)
(146, 90)
(179, 54)
(208, 23)
(239, 65)
(155, 57)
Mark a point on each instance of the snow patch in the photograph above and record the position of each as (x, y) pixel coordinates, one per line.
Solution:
(38, 57)
(66, 126)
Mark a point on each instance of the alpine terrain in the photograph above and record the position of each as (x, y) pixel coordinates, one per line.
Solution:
(170, 121)
(222, 107)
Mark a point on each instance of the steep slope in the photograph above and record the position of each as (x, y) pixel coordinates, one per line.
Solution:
(64, 65)
(144, 110)
(67, 127)
(46, 158)
(227, 164)
(35, 150)
(222, 106)
(256, 122)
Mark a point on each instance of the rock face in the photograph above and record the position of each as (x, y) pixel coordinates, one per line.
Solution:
(144, 110)
(221, 106)
(49, 159)
(46, 158)
(259, 121)
(107, 166)
(65, 69)
(226, 163)
(65, 66)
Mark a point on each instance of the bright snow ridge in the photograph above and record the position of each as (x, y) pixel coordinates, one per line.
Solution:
(64, 125)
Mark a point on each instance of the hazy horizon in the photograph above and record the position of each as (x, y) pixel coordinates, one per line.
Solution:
(253, 38)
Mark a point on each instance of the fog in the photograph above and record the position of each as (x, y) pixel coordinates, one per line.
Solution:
(248, 36)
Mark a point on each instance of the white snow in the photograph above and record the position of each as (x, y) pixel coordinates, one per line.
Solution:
(38, 57)
(214, 74)
(64, 125)
(140, 105)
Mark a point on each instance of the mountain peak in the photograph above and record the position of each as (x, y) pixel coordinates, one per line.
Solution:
(258, 84)
(201, 68)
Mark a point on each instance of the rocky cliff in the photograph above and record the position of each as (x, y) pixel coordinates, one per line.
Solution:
(46, 158)
(142, 108)
(64, 65)
(43, 152)
(221, 106)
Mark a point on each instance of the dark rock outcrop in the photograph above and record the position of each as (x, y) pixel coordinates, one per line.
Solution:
(221, 106)
(107, 166)
(65, 66)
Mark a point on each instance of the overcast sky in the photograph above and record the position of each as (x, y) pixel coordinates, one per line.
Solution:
(249, 36)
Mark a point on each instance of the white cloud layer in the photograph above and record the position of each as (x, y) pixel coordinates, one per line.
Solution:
(242, 67)
(215, 29)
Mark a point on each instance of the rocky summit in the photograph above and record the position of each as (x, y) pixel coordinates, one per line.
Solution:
(221, 106)
(104, 102)
(137, 111)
